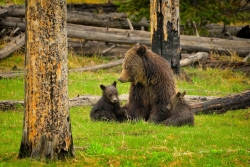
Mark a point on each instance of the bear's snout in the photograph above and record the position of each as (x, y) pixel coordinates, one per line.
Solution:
(114, 100)
(119, 79)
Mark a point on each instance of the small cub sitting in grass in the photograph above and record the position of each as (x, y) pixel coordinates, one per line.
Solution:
(181, 111)
(108, 107)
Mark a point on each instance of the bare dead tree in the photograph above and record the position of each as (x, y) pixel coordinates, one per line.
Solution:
(165, 31)
(46, 127)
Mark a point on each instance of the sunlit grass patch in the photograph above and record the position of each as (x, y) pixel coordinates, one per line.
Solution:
(215, 140)
(79, 61)
(214, 82)
(9, 62)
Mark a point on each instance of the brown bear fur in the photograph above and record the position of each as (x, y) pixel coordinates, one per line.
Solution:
(181, 111)
(108, 106)
(152, 84)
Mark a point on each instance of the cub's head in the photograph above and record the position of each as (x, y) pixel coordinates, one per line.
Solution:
(110, 92)
(175, 99)
(133, 67)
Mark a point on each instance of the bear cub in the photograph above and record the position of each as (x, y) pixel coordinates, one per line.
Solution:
(108, 107)
(181, 111)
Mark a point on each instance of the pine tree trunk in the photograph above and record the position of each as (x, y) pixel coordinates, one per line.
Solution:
(165, 31)
(47, 127)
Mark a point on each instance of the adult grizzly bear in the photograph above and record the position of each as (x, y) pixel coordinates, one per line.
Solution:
(152, 84)
(181, 111)
(108, 106)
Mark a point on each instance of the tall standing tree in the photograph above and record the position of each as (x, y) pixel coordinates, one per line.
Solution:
(46, 127)
(165, 31)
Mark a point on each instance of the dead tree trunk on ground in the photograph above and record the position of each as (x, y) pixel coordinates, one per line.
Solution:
(223, 104)
(199, 104)
(115, 20)
(12, 46)
(47, 126)
(119, 36)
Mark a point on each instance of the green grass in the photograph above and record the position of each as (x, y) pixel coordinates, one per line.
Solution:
(214, 82)
(205, 82)
(215, 140)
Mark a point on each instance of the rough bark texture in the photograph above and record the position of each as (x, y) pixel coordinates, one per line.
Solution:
(165, 31)
(222, 105)
(47, 126)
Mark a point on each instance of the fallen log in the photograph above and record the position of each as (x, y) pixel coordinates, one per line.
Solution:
(10, 104)
(97, 67)
(223, 104)
(111, 20)
(12, 46)
(98, 48)
(5, 75)
(199, 104)
(188, 43)
(214, 30)
(193, 58)
(90, 100)
(114, 20)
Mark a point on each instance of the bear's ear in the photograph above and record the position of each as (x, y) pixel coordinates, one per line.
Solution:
(137, 45)
(102, 87)
(182, 95)
(178, 94)
(141, 50)
(114, 84)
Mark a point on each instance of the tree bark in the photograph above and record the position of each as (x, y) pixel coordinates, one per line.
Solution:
(47, 127)
(222, 105)
(165, 31)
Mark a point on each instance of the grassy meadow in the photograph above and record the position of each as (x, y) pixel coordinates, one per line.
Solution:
(215, 140)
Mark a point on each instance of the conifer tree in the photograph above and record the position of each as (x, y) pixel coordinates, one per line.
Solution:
(200, 11)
